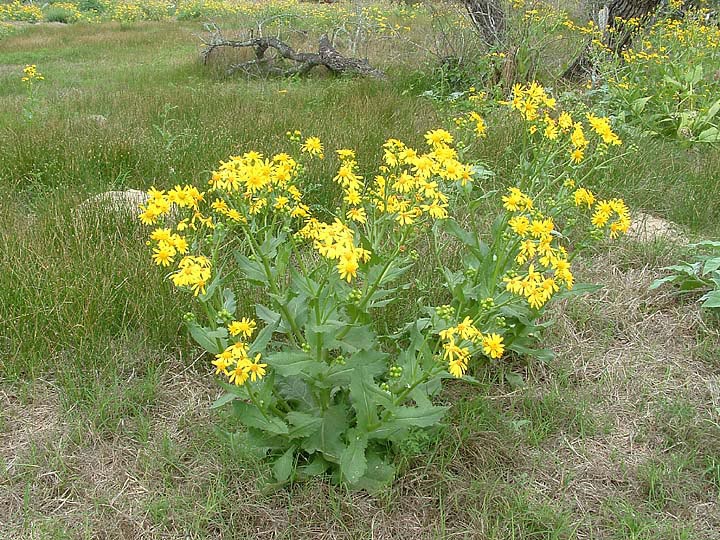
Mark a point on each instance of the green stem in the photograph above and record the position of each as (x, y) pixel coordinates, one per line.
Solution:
(296, 333)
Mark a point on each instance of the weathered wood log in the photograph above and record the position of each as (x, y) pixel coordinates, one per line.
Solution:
(326, 56)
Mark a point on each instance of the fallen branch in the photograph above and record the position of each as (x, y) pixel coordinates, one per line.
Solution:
(326, 56)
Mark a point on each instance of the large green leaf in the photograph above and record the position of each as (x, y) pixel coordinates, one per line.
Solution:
(291, 363)
(213, 341)
(283, 466)
(315, 468)
(358, 338)
(426, 416)
(303, 425)
(373, 362)
(712, 300)
(263, 338)
(378, 474)
(352, 462)
(405, 417)
(250, 416)
(363, 399)
(253, 271)
(328, 439)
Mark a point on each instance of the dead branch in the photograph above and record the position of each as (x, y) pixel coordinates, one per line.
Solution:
(326, 56)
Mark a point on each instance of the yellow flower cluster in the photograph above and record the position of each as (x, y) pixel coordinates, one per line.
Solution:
(250, 184)
(604, 212)
(235, 363)
(462, 340)
(193, 273)
(337, 243)
(31, 74)
(18, 11)
(601, 126)
(410, 186)
(538, 109)
(547, 264)
(160, 204)
(127, 12)
(408, 190)
(313, 146)
(478, 122)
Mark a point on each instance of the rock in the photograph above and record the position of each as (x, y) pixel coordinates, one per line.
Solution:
(118, 202)
(647, 228)
(99, 119)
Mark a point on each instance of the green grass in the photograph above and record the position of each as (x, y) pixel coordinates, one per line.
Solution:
(104, 401)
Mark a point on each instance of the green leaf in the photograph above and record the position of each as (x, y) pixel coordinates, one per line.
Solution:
(250, 416)
(362, 399)
(213, 341)
(223, 400)
(229, 302)
(291, 363)
(358, 338)
(352, 462)
(253, 271)
(544, 355)
(283, 466)
(374, 363)
(514, 380)
(378, 474)
(425, 416)
(578, 290)
(303, 424)
(262, 339)
(317, 467)
(328, 439)
(709, 135)
(711, 265)
(712, 300)
(658, 282)
(266, 314)
(303, 284)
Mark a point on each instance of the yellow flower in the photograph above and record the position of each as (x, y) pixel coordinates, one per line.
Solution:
(255, 369)
(457, 367)
(493, 345)
(163, 254)
(584, 196)
(245, 326)
(223, 361)
(347, 268)
(345, 154)
(576, 156)
(312, 146)
(438, 137)
(240, 374)
(357, 214)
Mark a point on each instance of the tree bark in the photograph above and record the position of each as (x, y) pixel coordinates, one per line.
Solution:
(488, 17)
(326, 56)
(616, 32)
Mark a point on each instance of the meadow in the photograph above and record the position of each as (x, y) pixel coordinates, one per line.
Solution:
(106, 429)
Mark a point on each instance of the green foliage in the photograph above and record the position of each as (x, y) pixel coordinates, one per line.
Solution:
(667, 85)
(700, 276)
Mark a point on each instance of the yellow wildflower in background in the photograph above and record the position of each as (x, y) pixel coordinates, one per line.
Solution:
(313, 146)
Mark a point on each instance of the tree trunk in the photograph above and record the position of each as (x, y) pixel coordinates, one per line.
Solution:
(617, 32)
(488, 17)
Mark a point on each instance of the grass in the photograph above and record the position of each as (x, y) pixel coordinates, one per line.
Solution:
(105, 429)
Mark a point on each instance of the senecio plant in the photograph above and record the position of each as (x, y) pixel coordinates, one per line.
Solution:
(319, 381)
(31, 77)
